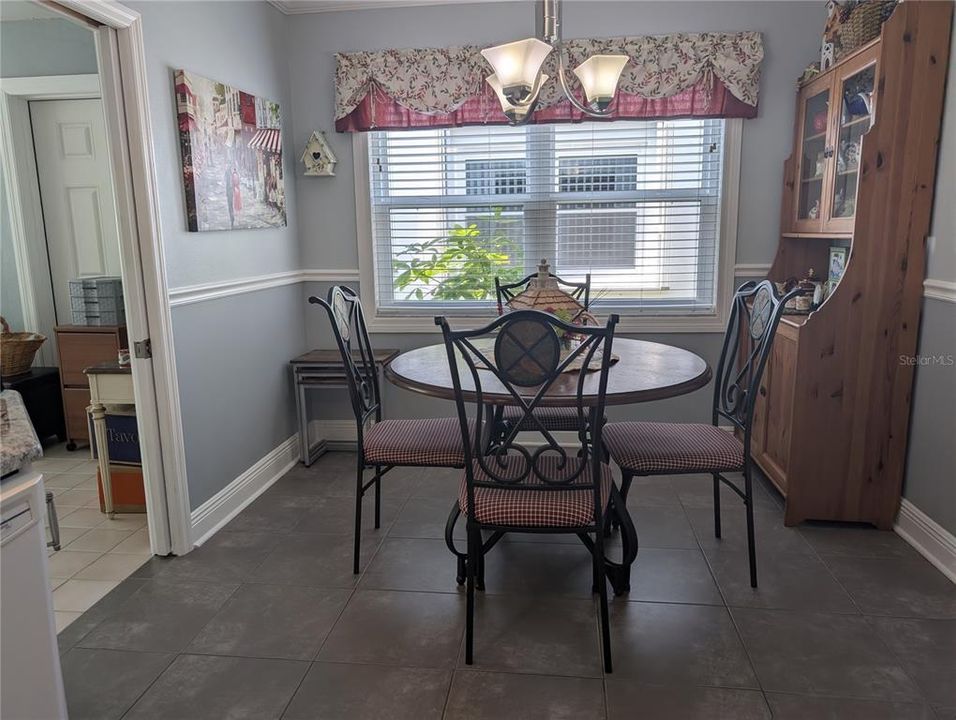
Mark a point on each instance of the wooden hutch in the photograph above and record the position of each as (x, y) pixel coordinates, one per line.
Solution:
(831, 419)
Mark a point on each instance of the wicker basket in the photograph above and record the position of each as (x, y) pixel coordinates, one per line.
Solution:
(864, 23)
(17, 350)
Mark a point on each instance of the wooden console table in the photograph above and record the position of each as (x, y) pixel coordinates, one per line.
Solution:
(322, 369)
(110, 384)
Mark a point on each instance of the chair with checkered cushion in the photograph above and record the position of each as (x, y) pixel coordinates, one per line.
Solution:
(510, 487)
(653, 448)
(382, 444)
(552, 418)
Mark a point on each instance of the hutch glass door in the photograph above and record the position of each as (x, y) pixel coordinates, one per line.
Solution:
(854, 120)
(813, 158)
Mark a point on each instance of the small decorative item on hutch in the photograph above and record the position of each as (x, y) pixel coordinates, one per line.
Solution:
(318, 156)
(837, 263)
(804, 302)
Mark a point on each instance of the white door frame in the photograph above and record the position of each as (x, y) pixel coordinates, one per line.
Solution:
(119, 44)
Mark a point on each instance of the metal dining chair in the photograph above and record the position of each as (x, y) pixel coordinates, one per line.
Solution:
(550, 489)
(656, 448)
(555, 419)
(381, 444)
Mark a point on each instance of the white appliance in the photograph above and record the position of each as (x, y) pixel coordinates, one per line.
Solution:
(31, 684)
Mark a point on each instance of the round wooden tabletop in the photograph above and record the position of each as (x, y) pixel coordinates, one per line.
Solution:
(644, 371)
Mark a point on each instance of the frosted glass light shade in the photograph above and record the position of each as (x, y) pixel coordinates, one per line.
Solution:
(515, 113)
(599, 75)
(517, 65)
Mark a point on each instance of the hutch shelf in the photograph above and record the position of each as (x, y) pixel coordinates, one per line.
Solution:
(832, 415)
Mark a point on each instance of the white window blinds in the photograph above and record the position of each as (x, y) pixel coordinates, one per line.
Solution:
(635, 204)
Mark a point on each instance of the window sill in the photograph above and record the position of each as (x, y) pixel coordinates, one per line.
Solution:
(629, 325)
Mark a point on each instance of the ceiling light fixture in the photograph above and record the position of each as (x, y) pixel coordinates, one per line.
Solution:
(517, 79)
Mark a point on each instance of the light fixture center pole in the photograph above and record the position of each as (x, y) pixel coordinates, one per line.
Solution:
(548, 20)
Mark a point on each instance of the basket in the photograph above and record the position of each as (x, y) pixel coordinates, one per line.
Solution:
(864, 23)
(17, 350)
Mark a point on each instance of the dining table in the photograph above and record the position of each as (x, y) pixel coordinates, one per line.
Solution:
(640, 371)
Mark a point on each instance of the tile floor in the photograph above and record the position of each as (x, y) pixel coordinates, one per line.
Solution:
(96, 553)
(266, 619)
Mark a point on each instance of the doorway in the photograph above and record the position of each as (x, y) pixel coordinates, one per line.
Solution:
(79, 217)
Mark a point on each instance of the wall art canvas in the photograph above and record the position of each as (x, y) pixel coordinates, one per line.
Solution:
(231, 145)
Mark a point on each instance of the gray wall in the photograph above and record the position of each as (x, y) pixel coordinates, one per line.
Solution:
(930, 482)
(231, 353)
(45, 47)
(791, 33)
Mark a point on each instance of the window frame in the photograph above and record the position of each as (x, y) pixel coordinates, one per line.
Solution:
(393, 320)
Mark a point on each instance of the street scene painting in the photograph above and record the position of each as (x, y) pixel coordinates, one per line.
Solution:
(232, 156)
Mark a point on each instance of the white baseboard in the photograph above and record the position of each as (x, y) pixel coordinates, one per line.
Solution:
(222, 507)
(930, 540)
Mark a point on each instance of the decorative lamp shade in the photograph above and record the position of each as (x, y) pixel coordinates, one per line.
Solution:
(514, 113)
(517, 65)
(599, 75)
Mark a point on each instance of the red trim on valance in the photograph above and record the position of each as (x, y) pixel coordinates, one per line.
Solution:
(378, 111)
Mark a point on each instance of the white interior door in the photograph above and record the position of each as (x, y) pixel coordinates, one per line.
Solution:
(76, 189)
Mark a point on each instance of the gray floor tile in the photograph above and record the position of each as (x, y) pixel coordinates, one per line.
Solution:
(665, 644)
(398, 628)
(425, 518)
(440, 483)
(891, 586)
(537, 634)
(336, 477)
(856, 540)
(499, 696)
(654, 491)
(226, 557)
(805, 707)
(698, 491)
(336, 691)
(789, 581)
(628, 699)
(311, 559)
(270, 513)
(104, 608)
(204, 686)
(663, 526)
(539, 568)
(772, 536)
(163, 616)
(411, 564)
(335, 514)
(673, 575)
(272, 621)
(104, 684)
(927, 651)
(821, 654)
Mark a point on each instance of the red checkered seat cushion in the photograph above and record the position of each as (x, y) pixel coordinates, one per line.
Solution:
(647, 448)
(433, 441)
(553, 418)
(514, 507)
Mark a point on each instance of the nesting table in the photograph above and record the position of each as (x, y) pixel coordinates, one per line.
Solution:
(322, 369)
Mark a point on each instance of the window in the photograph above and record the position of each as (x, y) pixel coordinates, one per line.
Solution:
(635, 204)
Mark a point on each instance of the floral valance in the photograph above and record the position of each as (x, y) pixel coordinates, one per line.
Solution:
(680, 75)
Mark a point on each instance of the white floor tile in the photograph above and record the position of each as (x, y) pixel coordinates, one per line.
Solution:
(112, 566)
(67, 480)
(135, 544)
(127, 521)
(59, 464)
(80, 595)
(64, 618)
(83, 518)
(67, 535)
(99, 540)
(77, 497)
(66, 563)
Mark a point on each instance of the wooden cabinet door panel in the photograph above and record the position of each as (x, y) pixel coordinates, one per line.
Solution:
(82, 349)
(779, 404)
(75, 402)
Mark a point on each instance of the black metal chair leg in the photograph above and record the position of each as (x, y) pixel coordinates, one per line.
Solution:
(359, 494)
(378, 496)
(716, 505)
(751, 543)
(602, 594)
(474, 550)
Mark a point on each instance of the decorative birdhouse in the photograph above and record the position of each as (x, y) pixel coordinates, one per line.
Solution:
(318, 156)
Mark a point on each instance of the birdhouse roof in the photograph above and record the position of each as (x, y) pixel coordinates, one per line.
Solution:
(318, 138)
